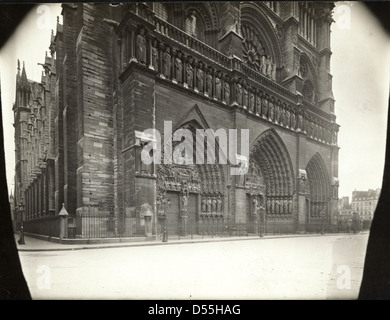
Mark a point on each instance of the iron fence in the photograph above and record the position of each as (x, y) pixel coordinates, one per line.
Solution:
(48, 226)
(109, 226)
(105, 226)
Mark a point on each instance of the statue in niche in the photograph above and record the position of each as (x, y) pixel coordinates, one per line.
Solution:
(204, 205)
(277, 112)
(192, 23)
(271, 109)
(155, 55)
(300, 120)
(302, 185)
(226, 87)
(334, 137)
(218, 88)
(219, 204)
(167, 62)
(252, 102)
(190, 75)
(209, 201)
(293, 120)
(328, 136)
(214, 205)
(199, 79)
(282, 116)
(179, 68)
(245, 97)
(273, 72)
(308, 125)
(318, 129)
(254, 205)
(265, 105)
(315, 128)
(258, 103)
(235, 26)
(287, 116)
(141, 46)
(209, 84)
(239, 94)
(269, 205)
(268, 63)
(263, 65)
(275, 206)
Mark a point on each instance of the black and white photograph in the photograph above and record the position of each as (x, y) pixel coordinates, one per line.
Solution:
(195, 151)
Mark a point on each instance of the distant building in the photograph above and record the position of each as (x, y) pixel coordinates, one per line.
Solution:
(365, 202)
(344, 209)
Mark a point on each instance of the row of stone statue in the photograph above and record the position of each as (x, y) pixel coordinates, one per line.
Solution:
(173, 65)
(212, 205)
(278, 206)
(318, 209)
(178, 185)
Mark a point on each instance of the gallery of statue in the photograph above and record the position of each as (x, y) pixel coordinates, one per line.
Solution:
(113, 71)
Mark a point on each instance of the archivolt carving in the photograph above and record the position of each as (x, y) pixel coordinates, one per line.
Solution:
(204, 179)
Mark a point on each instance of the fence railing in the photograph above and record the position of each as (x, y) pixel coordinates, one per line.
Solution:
(48, 226)
(110, 226)
(106, 226)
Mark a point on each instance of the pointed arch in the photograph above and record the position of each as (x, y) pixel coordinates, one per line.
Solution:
(271, 155)
(318, 185)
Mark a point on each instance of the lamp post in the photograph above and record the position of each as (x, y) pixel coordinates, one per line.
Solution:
(165, 234)
(323, 214)
(21, 239)
(262, 220)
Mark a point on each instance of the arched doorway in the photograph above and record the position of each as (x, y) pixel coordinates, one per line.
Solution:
(190, 196)
(318, 191)
(270, 181)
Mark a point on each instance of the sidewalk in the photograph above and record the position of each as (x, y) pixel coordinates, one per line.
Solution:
(33, 244)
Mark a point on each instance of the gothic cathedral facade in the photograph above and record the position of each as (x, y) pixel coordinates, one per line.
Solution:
(115, 70)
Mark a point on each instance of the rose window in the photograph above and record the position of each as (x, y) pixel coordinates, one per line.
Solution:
(252, 48)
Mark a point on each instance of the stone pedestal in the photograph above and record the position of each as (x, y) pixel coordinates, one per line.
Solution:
(148, 226)
(63, 227)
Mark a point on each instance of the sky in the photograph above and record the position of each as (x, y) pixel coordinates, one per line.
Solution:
(360, 65)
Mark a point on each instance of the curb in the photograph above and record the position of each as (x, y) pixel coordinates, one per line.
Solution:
(173, 242)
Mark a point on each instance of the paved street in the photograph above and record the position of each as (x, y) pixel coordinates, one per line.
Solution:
(315, 267)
